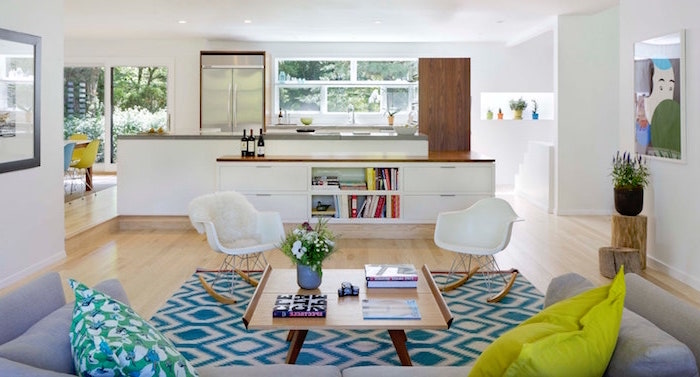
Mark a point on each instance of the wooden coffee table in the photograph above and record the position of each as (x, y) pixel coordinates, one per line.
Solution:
(345, 313)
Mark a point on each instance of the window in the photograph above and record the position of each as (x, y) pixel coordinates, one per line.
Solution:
(331, 87)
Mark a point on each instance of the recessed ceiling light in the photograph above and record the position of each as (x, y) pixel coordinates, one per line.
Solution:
(182, 22)
(247, 21)
(377, 22)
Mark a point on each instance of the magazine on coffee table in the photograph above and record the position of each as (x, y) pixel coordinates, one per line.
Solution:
(390, 309)
(300, 306)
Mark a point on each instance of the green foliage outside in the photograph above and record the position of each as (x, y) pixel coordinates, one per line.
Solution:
(315, 70)
(125, 122)
(386, 70)
(339, 99)
(144, 87)
(300, 99)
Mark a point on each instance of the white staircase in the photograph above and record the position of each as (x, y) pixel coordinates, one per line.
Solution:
(534, 180)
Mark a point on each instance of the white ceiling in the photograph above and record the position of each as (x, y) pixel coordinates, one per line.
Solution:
(321, 20)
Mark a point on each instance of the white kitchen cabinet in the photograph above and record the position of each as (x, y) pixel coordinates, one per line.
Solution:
(415, 193)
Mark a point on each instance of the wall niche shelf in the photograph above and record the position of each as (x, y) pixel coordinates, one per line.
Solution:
(496, 100)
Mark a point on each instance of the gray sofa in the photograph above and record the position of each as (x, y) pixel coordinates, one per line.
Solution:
(35, 320)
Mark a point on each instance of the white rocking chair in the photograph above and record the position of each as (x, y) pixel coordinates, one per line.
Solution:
(240, 232)
(476, 234)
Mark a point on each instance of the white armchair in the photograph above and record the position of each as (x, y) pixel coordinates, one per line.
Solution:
(476, 234)
(236, 229)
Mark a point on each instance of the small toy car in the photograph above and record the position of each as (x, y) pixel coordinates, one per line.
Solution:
(347, 289)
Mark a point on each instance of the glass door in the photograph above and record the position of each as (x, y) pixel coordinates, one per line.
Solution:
(83, 99)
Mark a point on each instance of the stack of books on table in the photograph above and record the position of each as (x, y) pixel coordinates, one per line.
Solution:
(391, 276)
(300, 306)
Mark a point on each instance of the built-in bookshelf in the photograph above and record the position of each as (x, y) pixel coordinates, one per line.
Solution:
(355, 192)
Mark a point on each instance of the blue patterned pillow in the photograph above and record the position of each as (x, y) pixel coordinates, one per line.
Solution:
(108, 338)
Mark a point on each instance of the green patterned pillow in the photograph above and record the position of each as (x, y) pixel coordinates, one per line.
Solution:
(108, 338)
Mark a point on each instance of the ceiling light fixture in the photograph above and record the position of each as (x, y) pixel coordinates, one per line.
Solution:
(377, 22)
(247, 21)
(182, 22)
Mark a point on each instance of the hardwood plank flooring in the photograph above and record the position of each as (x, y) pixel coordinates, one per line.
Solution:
(153, 263)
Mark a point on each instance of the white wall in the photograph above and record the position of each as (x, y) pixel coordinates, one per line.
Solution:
(494, 67)
(527, 67)
(32, 228)
(587, 96)
(671, 201)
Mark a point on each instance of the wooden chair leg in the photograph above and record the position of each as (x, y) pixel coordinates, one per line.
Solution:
(459, 282)
(218, 297)
(499, 296)
(245, 276)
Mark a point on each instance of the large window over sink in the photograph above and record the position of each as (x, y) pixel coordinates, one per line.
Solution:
(345, 91)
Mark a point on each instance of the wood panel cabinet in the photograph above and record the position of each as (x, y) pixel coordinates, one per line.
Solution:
(444, 103)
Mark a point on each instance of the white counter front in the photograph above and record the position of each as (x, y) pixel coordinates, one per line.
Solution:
(161, 174)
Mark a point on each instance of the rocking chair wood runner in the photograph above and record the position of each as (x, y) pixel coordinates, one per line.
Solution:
(476, 234)
(236, 229)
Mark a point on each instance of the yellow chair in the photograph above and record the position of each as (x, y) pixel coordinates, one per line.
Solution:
(85, 163)
(77, 152)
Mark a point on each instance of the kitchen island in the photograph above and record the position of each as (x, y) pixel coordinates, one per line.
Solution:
(160, 174)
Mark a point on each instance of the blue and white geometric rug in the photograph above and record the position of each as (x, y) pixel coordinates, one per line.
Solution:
(210, 333)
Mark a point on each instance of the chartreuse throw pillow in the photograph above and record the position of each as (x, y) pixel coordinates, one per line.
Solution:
(108, 338)
(574, 337)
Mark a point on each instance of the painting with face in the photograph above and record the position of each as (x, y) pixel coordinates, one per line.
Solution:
(658, 97)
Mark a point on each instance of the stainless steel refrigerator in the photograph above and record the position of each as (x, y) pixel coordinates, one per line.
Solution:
(232, 91)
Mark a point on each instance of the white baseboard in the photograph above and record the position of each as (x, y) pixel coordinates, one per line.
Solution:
(681, 276)
(32, 269)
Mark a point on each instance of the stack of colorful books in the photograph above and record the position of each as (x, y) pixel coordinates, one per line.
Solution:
(391, 276)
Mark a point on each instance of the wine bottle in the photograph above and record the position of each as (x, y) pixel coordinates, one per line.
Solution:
(251, 144)
(244, 145)
(261, 145)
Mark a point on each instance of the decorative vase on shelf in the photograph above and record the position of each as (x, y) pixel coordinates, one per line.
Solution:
(390, 119)
(307, 278)
(535, 116)
(517, 114)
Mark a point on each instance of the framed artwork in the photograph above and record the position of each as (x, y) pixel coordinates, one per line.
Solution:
(20, 60)
(659, 84)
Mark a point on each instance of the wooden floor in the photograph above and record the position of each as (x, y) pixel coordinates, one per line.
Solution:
(153, 263)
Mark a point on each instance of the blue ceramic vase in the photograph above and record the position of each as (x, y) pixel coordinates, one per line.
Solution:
(307, 278)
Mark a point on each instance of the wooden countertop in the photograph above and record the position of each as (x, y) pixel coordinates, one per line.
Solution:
(470, 156)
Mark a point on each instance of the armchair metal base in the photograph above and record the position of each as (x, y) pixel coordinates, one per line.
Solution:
(485, 263)
(231, 267)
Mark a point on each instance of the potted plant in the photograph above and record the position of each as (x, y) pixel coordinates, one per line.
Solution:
(535, 114)
(390, 116)
(500, 113)
(489, 114)
(308, 247)
(518, 106)
(630, 175)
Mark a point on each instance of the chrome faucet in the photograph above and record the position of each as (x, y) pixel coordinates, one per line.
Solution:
(351, 114)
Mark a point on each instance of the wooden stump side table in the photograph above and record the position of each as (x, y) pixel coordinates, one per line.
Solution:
(610, 259)
(631, 231)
